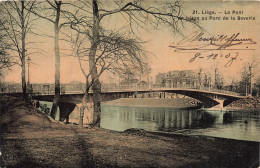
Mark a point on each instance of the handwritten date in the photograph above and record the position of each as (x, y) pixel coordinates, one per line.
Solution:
(230, 57)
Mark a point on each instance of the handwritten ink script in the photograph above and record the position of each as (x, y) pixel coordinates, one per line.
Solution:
(204, 46)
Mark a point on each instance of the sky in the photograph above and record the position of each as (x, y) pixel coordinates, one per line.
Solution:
(164, 58)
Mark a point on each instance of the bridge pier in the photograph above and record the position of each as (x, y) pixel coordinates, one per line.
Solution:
(77, 113)
(220, 105)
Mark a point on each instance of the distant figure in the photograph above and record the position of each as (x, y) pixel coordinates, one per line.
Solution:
(90, 112)
(35, 103)
(30, 99)
(88, 108)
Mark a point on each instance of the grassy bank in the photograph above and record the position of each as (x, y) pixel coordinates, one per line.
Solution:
(30, 139)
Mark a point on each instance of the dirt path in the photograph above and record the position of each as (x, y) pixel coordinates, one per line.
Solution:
(30, 139)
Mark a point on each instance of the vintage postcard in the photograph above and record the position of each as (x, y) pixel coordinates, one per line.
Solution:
(129, 83)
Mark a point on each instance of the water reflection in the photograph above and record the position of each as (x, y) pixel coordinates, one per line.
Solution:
(227, 118)
(238, 125)
(160, 119)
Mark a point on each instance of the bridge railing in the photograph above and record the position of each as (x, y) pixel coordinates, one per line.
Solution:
(135, 87)
(160, 88)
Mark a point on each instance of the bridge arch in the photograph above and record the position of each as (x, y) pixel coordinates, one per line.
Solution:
(208, 98)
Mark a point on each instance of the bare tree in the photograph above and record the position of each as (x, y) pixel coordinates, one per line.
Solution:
(206, 83)
(111, 43)
(115, 53)
(257, 85)
(247, 76)
(5, 59)
(200, 77)
(218, 79)
(52, 12)
(17, 24)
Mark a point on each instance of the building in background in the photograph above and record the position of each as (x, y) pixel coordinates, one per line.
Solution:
(171, 79)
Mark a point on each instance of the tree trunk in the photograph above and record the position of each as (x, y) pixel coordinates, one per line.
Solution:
(97, 105)
(23, 54)
(96, 87)
(56, 100)
(250, 81)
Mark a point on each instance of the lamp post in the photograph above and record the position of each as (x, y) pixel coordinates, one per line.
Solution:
(28, 62)
(29, 86)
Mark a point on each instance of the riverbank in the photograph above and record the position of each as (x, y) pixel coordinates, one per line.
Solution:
(155, 102)
(247, 103)
(30, 139)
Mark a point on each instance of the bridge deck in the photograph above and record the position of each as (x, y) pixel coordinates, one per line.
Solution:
(132, 89)
(214, 92)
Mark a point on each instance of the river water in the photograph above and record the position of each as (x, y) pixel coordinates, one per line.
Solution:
(240, 125)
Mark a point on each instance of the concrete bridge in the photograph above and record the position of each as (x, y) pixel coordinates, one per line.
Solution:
(71, 102)
(211, 98)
